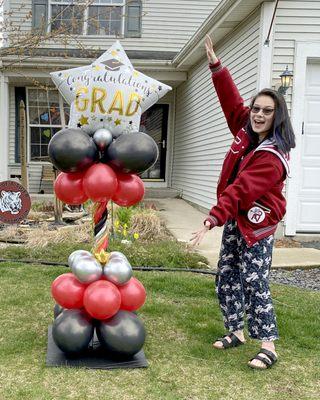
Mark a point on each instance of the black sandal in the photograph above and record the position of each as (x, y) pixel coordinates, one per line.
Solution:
(235, 341)
(268, 361)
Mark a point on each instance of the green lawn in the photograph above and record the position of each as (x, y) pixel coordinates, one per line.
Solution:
(182, 319)
(167, 253)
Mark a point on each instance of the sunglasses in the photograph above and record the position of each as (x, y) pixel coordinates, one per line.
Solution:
(265, 111)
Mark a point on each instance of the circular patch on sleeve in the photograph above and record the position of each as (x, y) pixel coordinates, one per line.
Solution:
(256, 215)
(15, 202)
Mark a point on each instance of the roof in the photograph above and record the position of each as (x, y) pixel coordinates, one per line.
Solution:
(221, 22)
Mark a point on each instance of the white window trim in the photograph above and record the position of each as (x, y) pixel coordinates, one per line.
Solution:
(63, 125)
(86, 16)
(304, 50)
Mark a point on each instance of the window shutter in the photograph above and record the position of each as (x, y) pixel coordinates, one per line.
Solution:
(20, 94)
(40, 14)
(133, 18)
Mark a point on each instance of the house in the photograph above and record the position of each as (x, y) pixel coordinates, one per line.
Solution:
(165, 40)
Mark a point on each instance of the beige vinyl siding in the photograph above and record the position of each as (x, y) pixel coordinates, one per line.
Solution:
(202, 137)
(166, 25)
(18, 15)
(295, 21)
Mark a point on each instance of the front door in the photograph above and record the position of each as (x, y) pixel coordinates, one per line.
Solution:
(154, 122)
(309, 187)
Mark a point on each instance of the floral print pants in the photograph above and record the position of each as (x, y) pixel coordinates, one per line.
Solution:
(242, 284)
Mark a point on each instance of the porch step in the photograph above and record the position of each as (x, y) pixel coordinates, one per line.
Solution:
(38, 197)
(162, 193)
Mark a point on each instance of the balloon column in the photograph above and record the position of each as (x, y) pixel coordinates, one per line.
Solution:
(98, 294)
(100, 155)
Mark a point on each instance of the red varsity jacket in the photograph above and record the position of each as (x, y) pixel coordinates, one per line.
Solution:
(254, 197)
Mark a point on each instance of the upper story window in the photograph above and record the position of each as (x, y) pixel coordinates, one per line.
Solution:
(105, 20)
(97, 17)
(66, 16)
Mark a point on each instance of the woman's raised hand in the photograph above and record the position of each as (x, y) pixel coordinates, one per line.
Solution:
(212, 58)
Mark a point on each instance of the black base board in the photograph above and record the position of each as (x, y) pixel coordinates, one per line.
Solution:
(95, 357)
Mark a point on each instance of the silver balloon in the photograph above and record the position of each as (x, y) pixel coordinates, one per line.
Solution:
(77, 253)
(102, 138)
(117, 254)
(87, 269)
(118, 271)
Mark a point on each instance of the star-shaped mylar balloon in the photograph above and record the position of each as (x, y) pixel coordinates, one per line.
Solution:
(109, 93)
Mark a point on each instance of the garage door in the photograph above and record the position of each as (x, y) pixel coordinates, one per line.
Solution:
(309, 187)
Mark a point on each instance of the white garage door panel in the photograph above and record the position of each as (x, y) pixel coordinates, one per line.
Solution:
(312, 110)
(311, 179)
(313, 83)
(309, 214)
(311, 144)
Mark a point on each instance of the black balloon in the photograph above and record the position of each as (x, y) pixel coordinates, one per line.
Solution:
(132, 152)
(123, 334)
(72, 150)
(57, 310)
(72, 331)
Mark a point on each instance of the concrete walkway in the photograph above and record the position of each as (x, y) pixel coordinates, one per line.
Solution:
(182, 219)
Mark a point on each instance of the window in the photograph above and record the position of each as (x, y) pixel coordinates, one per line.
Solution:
(39, 13)
(100, 17)
(47, 114)
(104, 20)
(67, 17)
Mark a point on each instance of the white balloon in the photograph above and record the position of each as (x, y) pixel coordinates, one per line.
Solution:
(109, 93)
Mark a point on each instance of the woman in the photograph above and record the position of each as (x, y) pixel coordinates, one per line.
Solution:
(250, 204)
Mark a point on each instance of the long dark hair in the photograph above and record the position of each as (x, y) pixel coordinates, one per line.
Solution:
(281, 131)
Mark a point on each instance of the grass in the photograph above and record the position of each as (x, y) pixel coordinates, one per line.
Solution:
(166, 253)
(182, 319)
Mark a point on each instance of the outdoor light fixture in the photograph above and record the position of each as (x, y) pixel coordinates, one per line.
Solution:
(286, 77)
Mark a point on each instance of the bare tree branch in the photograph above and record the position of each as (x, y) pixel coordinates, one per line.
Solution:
(24, 45)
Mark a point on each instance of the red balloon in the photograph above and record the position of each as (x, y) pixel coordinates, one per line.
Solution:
(100, 182)
(133, 295)
(130, 190)
(102, 299)
(68, 291)
(68, 188)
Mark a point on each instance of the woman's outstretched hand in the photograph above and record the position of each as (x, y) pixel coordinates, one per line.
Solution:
(212, 58)
(198, 235)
